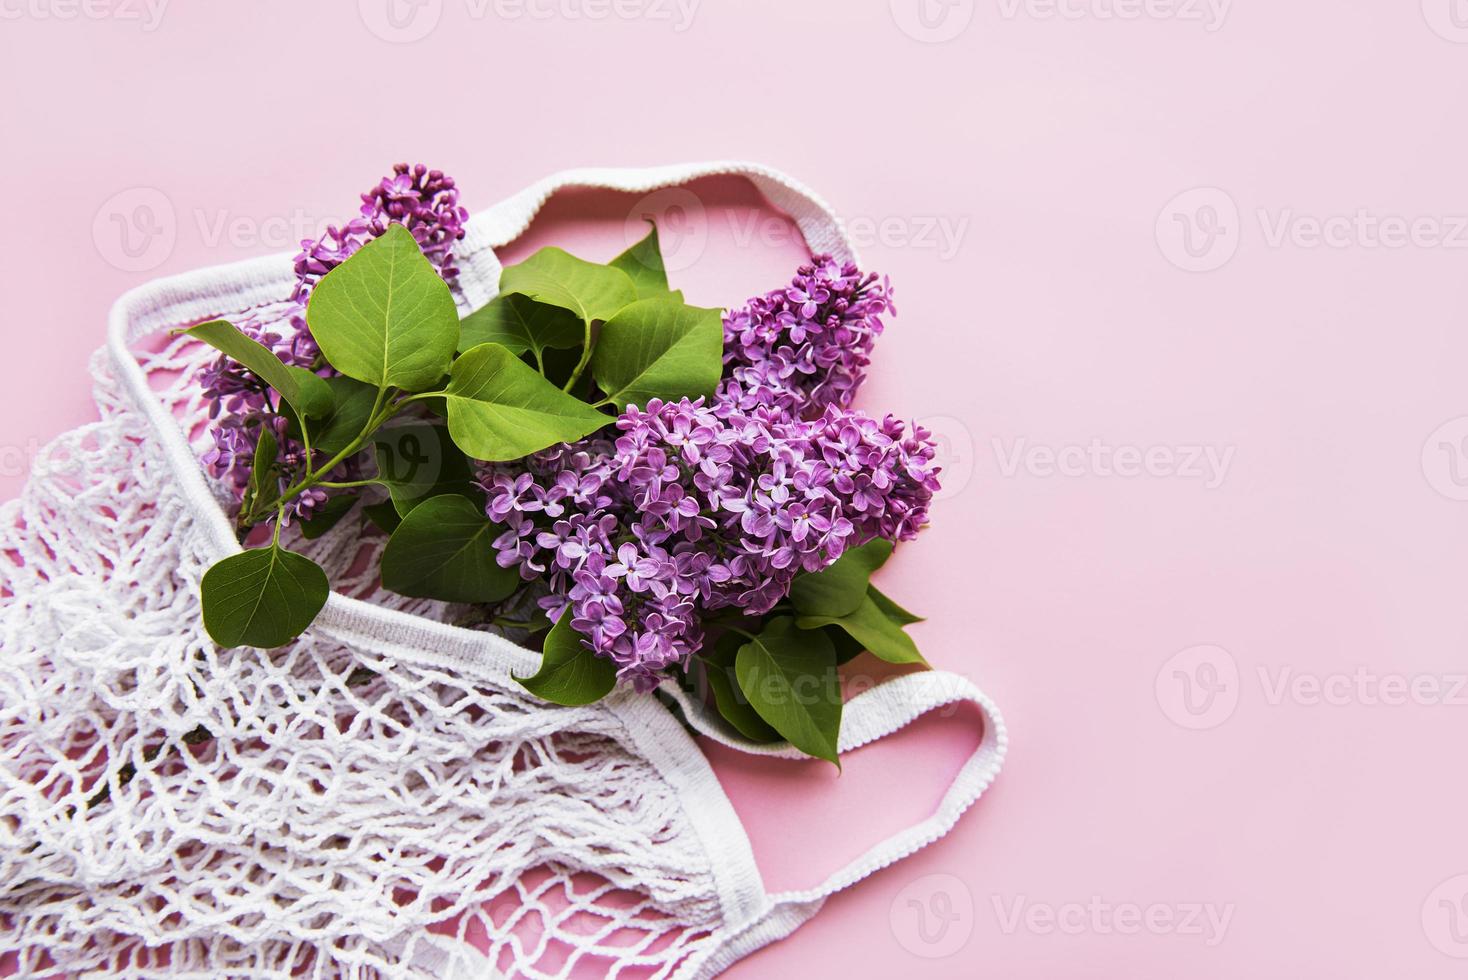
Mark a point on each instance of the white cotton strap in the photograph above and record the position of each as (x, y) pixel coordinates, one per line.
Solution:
(188, 298)
(506, 221)
(871, 715)
(885, 709)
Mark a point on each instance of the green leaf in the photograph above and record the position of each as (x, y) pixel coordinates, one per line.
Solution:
(385, 317)
(384, 516)
(500, 408)
(659, 348)
(443, 550)
(728, 698)
(892, 610)
(328, 515)
(338, 427)
(570, 674)
(558, 366)
(871, 627)
(520, 324)
(263, 489)
(556, 277)
(840, 588)
(846, 648)
(313, 391)
(262, 598)
(418, 461)
(643, 264)
(841, 598)
(303, 390)
(790, 679)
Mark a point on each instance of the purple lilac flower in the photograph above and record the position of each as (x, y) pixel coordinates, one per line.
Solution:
(696, 508)
(239, 405)
(807, 346)
(426, 202)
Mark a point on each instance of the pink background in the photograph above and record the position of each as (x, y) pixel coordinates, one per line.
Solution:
(1147, 778)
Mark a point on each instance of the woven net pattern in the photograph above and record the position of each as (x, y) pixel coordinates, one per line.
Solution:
(326, 809)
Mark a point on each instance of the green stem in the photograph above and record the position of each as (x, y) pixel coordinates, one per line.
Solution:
(734, 629)
(377, 408)
(381, 412)
(519, 624)
(419, 397)
(305, 440)
(581, 364)
(125, 774)
(350, 485)
(127, 770)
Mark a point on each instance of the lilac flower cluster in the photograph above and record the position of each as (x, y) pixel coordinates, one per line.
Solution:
(696, 508)
(426, 202)
(806, 346)
(239, 405)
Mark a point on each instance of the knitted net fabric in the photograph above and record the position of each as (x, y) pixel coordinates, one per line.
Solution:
(321, 810)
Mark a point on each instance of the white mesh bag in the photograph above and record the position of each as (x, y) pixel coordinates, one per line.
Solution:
(379, 797)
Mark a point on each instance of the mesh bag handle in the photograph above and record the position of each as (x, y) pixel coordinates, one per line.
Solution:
(871, 715)
(506, 221)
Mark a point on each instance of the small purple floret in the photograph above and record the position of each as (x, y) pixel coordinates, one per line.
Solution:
(424, 201)
(696, 508)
